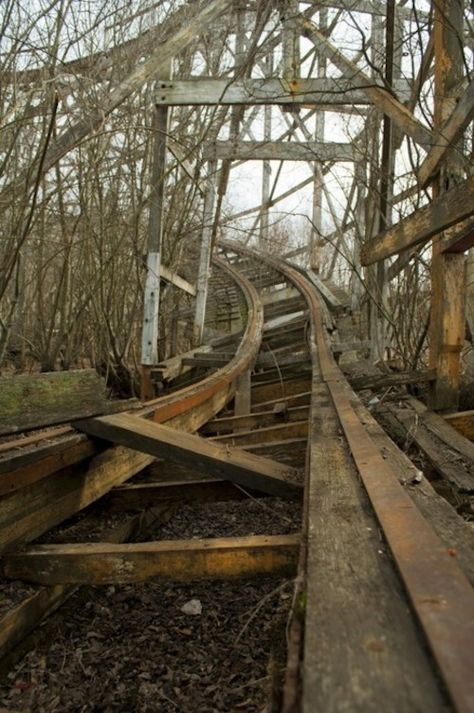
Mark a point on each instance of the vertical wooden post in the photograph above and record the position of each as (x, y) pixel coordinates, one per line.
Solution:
(448, 273)
(317, 208)
(266, 170)
(205, 258)
(242, 400)
(149, 352)
(291, 39)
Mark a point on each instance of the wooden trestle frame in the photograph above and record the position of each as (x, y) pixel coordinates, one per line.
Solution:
(377, 92)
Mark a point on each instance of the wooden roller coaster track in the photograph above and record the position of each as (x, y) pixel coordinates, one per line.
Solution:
(384, 613)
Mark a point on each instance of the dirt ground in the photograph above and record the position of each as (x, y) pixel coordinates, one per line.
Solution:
(133, 648)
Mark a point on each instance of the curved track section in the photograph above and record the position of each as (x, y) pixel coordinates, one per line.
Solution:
(383, 615)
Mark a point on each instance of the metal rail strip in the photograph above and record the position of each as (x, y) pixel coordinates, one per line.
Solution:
(440, 593)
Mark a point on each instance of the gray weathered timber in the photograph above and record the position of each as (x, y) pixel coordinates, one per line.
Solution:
(362, 647)
(452, 207)
(176, 280)
(382, 381)
(32, 400)
(270, 91)
(281, 151)
(210, 458)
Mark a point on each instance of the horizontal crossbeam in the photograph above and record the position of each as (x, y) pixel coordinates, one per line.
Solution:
(328, 91)
(280, 151)
(183, 561)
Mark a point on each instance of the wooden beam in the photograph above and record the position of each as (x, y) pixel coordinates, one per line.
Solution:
(388, 104)
(255, 420)
(265, 434)
(23, 618)
(444, 139)
(205, 92)
(176, 280)
(139, 496)
(452, 207)
(34, 400)
(219, 461)
(182, 561)
(281, 151)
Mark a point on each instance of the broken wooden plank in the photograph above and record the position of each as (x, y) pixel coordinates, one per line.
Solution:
(220, 461)
(384, 100)
(356, 346)
(452, 207)
(182, 561)
(381, 381)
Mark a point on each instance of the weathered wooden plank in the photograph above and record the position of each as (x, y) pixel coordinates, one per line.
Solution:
(452, 207)
(182, 561)
(26, 469)
(220, 461)
(24, 618)
(176, 280)
(27, 513)
(254, 420)
(139, 496)
(354, 660)
(32, 400)
(279, 392)
(443, 140)
(265, 434)
(463, 422)
(280, 151)
(206, 92)
(381, 381)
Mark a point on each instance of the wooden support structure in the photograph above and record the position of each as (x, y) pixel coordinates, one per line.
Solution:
(181, 561)
(221, 462)
(151, 300)
(448, 270)
(453, 207)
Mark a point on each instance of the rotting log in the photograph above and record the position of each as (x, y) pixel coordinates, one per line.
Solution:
(182, 561)
(204, 456)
